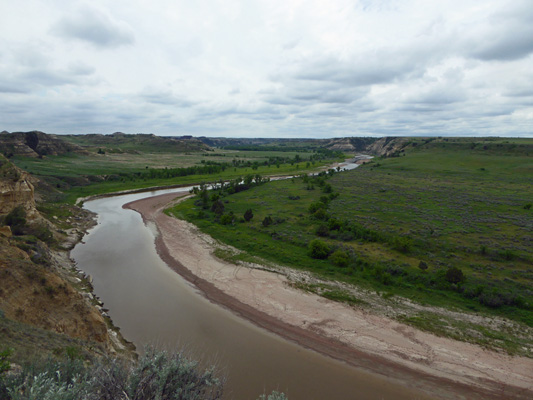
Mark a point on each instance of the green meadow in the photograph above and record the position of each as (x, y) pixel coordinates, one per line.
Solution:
(444, 222)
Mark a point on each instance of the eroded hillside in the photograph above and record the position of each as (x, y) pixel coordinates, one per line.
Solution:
(39, 286)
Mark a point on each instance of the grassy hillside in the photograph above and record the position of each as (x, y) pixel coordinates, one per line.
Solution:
(445, 223)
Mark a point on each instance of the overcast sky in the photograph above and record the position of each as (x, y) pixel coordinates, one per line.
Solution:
(273, 68)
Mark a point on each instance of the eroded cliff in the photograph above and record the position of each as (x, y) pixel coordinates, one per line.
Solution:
(39, 285)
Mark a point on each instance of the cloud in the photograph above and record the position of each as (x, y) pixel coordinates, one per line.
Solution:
(162, 96)
(364, 70)
(271, 67)
(93, 26)
(508, 35)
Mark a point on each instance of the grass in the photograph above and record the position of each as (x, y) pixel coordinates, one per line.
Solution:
(446, 203)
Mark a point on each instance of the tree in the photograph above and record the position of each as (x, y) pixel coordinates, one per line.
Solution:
(248, 215)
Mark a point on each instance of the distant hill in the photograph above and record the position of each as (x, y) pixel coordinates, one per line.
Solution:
(119, 142)
(35, 144)
(263, 143)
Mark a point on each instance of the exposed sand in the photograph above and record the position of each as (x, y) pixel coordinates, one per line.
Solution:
(443, 367)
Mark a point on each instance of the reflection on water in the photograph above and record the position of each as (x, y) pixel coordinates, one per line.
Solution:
(154, 305)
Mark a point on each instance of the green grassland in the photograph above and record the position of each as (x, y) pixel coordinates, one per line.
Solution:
(447, 222)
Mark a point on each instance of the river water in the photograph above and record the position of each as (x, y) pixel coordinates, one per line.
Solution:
(153, 305)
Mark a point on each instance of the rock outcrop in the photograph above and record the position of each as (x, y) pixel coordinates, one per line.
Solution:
(35, 144)
(16, 189)
(388, 146)
(350, 144)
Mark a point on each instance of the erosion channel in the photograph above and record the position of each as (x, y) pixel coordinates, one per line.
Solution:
(153, 305)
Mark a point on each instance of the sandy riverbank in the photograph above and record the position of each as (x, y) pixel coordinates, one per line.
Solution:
(440, 366)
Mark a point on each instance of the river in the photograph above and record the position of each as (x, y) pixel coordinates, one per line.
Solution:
(154, 306)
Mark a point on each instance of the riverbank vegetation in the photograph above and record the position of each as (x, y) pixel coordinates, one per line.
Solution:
(442, 222)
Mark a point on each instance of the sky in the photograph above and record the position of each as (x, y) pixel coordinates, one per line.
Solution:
(273, 68)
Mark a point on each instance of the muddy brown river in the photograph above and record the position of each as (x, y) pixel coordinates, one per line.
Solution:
(153, 305)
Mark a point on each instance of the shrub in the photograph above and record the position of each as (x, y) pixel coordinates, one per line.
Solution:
(324, 199)
(248, 215)
(318, 249)
(527, 206)
(227, 219)
(340, 258)
(16, 219)
(267, 221)
(322, 230)
(320, 214)
(454, 275)
(402, 243)
(4, 360)
(314, 207)
(218, 207)
(157, 375)
(334, 224)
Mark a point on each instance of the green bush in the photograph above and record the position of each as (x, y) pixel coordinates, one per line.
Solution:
(5, 365)
(248, 215)
(340, 258)
(320, 214)
(402, 243)
(218, 207)
(454, 275)
(322, 230)
(314, 207)
(16, 219)
(318, 249)
(227, 219)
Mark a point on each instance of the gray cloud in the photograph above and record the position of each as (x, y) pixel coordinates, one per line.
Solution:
(509, 35)
(365, 70)
(93, 26)
(9, 86)
(164, 97)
